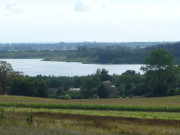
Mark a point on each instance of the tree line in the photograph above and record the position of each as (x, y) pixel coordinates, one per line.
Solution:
(161, 78)
(113, 54)
(70, 46)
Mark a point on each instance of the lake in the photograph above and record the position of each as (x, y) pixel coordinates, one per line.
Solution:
(33, 67)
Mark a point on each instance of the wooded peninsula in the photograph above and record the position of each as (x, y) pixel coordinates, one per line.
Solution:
(89, 53)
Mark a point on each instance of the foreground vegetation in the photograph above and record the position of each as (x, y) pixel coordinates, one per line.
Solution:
(40, 123)
(39, 116)
(108, 113)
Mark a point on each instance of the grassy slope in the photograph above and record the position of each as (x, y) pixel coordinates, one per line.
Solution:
(161, 101)
(157, 102)
(63, 121)
(56, 123)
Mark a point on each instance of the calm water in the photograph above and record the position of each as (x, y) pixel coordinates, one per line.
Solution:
(33, 67)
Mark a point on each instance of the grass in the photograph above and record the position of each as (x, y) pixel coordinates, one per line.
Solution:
(39, 116)
(70, 124)
(124, 114)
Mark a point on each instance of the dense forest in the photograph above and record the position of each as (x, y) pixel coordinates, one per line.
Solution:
(114, 54)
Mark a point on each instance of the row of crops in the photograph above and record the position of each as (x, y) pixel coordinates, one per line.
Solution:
(96, 107)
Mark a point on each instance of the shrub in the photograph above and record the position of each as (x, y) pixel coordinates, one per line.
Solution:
(65, 97)
(29, 119)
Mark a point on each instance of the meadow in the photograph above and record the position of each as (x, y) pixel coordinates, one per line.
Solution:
(135, 116)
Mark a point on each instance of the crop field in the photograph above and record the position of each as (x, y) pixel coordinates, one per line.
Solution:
(161, 101)
(136, 116)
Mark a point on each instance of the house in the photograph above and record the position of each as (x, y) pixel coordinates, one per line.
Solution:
(74, 89)
(95, 96)
(113, 91)
(53, 91)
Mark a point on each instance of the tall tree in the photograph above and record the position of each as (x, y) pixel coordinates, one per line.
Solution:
(160, 73)
(90, 86)
(103, 91)
(6, 71)
(42, 88)
(103, 74)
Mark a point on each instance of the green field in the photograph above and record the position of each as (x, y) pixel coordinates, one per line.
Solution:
(162, 101)
(149, 116)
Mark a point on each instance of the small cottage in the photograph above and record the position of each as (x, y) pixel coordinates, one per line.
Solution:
(53, 91)
(74, 89)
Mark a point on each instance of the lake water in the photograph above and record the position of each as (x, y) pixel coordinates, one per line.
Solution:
(33, 67)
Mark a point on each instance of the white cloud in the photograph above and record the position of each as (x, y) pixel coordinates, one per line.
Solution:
(13, 7)
(104, 4)
(82, 6)
(90, 5)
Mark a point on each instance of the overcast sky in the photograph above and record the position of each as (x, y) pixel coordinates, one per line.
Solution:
(89, 20)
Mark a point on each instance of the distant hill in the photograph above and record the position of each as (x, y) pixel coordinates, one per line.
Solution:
(72, 46)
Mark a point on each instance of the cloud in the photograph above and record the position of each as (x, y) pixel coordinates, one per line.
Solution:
(89, 5)
(13, 7)
(82, 6)
(104, 4)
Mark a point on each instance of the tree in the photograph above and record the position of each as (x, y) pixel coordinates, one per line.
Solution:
(103, 91)
(103, 74)
(42, 88)
(6, 71)
(23, 85)
(60, 91)
(27, 86)
(160, 73)
(90, 86)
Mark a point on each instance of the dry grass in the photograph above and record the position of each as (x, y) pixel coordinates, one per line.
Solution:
(68, 124)
(162, 101)
(54, 122)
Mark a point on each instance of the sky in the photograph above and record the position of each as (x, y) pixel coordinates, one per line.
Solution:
(89, 20)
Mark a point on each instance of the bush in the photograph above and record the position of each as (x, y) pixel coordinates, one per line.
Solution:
(149, 94)
(29, 119)
(65, 97)
(75, 94)
(131, 96)
(115, 96)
